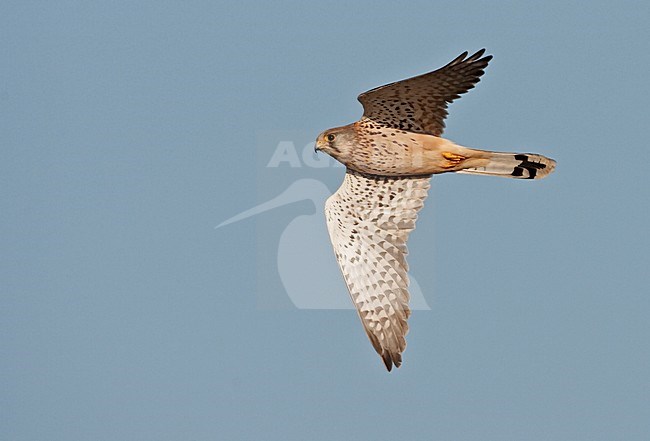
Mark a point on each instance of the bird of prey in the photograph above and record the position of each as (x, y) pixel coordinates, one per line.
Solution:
(390, 155)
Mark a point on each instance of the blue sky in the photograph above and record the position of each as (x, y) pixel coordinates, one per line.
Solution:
(128, 130)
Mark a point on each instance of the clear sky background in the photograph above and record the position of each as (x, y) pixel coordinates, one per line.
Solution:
(128, 130)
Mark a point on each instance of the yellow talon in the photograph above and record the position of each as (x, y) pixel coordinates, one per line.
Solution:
(453, 157)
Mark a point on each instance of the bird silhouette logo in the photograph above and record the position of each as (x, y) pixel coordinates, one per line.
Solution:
(305, 266)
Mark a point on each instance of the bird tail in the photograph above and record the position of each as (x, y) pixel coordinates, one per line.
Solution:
(513, 165)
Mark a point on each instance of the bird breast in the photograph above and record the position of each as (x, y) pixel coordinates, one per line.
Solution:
(393, 152)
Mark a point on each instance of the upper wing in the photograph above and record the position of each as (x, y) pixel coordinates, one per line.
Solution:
(369, 220)
(419, 104)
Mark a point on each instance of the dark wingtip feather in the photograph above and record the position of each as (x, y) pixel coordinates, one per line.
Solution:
(387, 361)
(476, 58)
(477, 55)
(484, 61)
(391, 360)
(458, 59)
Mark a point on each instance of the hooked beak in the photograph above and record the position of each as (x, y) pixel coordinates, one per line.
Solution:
(317, 146)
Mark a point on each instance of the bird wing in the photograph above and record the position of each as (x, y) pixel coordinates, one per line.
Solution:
(419, 104)
(369, 219)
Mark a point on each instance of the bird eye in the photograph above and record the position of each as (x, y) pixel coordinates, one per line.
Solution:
(330, 137)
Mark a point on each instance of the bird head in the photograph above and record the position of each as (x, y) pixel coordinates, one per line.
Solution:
(338, 142)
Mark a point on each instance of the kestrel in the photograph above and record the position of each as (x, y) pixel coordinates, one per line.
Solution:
(391, 154)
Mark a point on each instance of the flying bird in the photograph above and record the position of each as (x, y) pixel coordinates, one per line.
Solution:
(390, 155)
